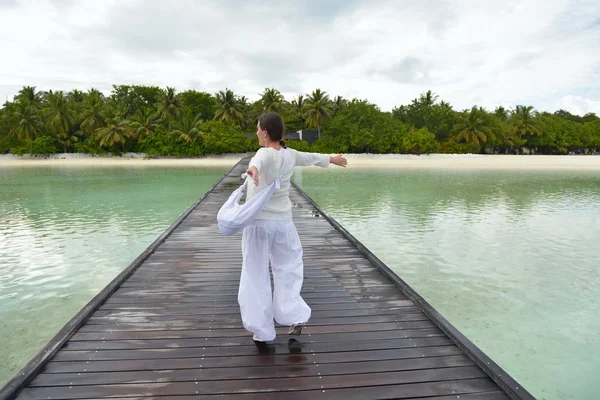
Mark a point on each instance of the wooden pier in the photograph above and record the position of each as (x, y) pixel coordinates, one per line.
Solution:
(169, 325)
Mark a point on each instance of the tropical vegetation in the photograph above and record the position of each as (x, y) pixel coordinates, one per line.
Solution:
(164, 122)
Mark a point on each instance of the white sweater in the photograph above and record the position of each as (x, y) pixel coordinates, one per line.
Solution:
(269, 162)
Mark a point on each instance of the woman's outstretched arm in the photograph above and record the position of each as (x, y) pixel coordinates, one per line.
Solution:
(304, 159)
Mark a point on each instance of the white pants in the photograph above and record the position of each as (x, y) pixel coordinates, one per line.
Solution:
(278, 242)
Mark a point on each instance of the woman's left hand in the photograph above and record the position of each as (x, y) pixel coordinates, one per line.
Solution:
(338, 160)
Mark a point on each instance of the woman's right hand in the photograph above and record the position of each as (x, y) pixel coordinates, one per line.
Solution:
(253, 172)
(338, 160)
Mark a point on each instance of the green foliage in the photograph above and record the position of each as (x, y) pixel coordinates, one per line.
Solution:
(220, 138)
(452, 147)
(198, 103)
(362, 127)
(59, 115)
(27, 122)
(229, 108)
(473, 126)
(271, 101)
(88, 146)
(169, 106)
(115, 132)
(41, 145)
(317, 110)
(300, 145)
(160, 144)
(163, 122)
(328, 145)
(6, 143)
(420, 141)
(253, 144)
(134, 98)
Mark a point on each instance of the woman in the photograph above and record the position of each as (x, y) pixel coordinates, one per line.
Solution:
(273, 237)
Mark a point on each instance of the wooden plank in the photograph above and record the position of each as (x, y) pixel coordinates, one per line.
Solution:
(227, 294)
(195, 352)
(470, 389)
(314, 344)
(218, 309)
(379, 392)
(223, 357)
(256, 372)
(256, 385)
(229, 323)
(236, 331)
(234, 314)
(402, 391)
(201, 333)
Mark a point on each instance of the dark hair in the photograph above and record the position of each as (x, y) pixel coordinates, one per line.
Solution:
(274, 125)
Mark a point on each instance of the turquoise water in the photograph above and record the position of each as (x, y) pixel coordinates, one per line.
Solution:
(66, 232)
(511, 258)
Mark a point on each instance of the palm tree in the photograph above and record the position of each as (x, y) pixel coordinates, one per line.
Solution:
(472, 127)
(59, 115)
(272, 101)
(92, 113)
(67, 140)
(246, 108)
(116, 109)
(29, 95)
(169, 107)
(76, 96)
(298, 106)
(188, 129)
(229, 108)
(317, 110)
(339, 103)
(428, 98)
(145, 123)
(524, 121)
(114, 132)
(444, 105)
(501, 113)
(29, 123)
(96, 92)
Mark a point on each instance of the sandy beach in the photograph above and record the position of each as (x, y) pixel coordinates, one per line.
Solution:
(467, 161)
(133, 160)
(473, 161)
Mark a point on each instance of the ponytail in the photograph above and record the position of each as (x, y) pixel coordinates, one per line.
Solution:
(282, 144)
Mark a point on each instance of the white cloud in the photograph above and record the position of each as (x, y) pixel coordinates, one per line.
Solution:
(579, 105)
(487, 53)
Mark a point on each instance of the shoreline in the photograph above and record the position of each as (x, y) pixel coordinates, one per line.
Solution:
(461, 161)
(130, 159)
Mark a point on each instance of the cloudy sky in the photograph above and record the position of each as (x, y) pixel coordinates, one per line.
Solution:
(545, 53)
